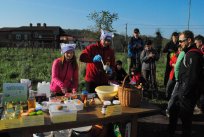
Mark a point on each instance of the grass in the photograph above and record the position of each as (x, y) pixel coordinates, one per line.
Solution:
(36, 65)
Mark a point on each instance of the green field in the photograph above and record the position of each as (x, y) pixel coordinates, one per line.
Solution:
(35, 64)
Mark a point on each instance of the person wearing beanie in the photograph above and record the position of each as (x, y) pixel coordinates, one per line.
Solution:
(100, 61)
(64, 72)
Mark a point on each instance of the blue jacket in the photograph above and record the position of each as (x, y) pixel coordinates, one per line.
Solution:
(135, 46)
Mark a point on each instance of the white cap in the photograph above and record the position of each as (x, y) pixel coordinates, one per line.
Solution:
(106, 35)
(67, 47)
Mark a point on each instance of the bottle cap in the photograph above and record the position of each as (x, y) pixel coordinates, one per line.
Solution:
(107, 103)
(84, 92)
(116, 102)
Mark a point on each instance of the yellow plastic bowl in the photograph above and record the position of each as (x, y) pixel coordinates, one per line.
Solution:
(106, 92)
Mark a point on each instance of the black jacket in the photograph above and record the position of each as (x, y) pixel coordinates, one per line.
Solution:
(120, 75)
(190, 74)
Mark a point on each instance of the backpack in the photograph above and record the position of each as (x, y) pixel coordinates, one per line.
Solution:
(192, 50)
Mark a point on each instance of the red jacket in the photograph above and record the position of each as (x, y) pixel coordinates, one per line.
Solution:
(136, 78)
(173, 61)
(94, 70)
(63, 75)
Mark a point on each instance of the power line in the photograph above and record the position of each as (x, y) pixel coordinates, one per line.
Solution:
(180, 25)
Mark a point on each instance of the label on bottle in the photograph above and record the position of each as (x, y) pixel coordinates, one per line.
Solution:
(103, 111)
(31, 103)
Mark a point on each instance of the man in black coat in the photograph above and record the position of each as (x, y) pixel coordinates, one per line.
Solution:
(170, 47)
(135, 47)
(189, 84)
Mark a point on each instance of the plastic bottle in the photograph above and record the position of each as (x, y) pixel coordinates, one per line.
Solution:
(103, 110)
(104, 107)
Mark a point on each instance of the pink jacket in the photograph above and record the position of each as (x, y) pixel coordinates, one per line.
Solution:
(63, 75)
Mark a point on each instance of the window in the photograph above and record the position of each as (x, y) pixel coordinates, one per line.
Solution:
(25, 36)
(10, 37)
(18, 36)
(35, 35)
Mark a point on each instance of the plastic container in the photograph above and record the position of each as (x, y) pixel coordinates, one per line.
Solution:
(44, 87)
(68, 113)
(106, 92)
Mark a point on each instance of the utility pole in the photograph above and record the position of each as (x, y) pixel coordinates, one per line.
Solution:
(125, 32)
(189, 13)
(125, 43)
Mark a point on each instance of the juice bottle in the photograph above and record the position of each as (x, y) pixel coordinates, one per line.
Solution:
(84, 95)
(31, 101)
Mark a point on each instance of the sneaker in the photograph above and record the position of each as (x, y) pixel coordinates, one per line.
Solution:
(167, 113)
(38, 135)
(197, 110)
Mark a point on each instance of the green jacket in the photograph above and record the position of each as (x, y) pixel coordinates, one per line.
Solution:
(176, 67)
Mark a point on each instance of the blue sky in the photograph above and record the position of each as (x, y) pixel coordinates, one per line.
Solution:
(147, 15)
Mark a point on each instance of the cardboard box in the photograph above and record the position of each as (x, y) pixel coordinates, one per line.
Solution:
(22, 122)
(10, 123)
(72, 116)
(15, 92)
(32, 120)
(113, 110)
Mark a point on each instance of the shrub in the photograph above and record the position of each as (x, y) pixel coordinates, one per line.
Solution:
(14, 75)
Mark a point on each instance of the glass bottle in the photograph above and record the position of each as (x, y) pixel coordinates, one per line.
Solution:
(9, 112)
(31, 100)
(86, 102)
(84, 95)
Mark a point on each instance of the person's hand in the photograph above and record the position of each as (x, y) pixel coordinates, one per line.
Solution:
(74, 91)
(139, 46)
(134, 46)
(64, 90)
(109, 71)
(106, 67)
(97, 58)
(151, 55)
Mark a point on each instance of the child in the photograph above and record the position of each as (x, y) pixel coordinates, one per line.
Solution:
(119, 72)
(148, 58)
(64, 77)
(135, 76)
